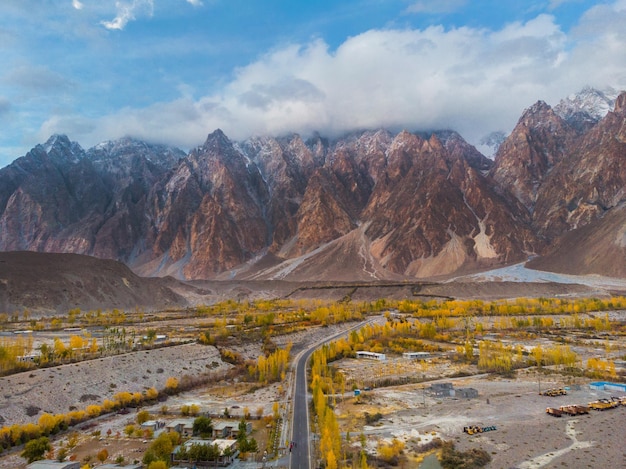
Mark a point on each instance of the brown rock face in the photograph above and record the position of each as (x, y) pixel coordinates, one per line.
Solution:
(588, 182)
(209, 213)
(435, 214)
(538, 141)
(370, 205)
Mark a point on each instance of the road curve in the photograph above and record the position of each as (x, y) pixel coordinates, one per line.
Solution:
(300, 452)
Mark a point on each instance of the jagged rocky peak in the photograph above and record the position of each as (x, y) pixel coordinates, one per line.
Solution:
(538, 142)
(457, 147)
(620, 104)
(539, 115)
(367, 140)
(584, 109)
(590, 101)
(216, 140)
(59, 147)
(590, 181)
(129, 149)
(405, 138)
(217, 155)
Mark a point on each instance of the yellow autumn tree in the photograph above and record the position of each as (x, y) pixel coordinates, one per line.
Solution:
(171, 384)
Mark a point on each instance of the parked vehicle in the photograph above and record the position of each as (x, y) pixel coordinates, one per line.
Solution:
(603, 404)
(574, 409)
(553, 392)
(473, 429)
(554, 412)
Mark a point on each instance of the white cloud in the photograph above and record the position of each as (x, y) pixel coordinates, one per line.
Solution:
(196, 3)
(77, 4)
(127, 11)
(36, 78)
(472, 80)
(436, 6)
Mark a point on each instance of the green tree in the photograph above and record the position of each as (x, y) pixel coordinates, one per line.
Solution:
(242, 437)
(203, 452)
(203, 426)
(35, 449)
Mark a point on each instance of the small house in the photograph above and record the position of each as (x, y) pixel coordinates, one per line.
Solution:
(227, 452)
(153, 425)
(466, 393)
(221, 429)
(371, 355)
(441, 389)
(49, 464)
(118, 466)
(182, 426)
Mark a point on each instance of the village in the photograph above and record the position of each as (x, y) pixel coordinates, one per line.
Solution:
(385, 397)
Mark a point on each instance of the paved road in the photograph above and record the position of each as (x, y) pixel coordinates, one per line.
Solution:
(301, 451)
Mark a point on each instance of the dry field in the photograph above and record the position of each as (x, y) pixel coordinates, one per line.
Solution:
(24, 396)
(526, 437)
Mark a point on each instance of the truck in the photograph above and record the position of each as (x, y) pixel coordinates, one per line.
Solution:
(603, 404)
(554, 412)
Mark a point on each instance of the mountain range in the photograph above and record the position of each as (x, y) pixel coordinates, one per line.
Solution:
(372, 205)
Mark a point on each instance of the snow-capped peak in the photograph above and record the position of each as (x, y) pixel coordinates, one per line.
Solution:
(590, 102)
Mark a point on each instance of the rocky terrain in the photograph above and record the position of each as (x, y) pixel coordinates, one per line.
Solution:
(369, 206)
(45, 284)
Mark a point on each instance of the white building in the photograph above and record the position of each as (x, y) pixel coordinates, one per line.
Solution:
(371, 355)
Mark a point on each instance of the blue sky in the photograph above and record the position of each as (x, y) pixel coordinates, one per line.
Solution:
(172, 71)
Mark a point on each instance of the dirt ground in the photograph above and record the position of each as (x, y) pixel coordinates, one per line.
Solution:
(25, 396)
(526, 437)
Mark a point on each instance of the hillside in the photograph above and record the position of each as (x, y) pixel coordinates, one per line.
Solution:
(47, 283)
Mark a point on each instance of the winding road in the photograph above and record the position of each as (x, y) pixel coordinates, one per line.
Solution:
(300, 456)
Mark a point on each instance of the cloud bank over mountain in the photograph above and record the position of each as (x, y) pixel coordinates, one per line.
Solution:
(151, 69)
(471, 80)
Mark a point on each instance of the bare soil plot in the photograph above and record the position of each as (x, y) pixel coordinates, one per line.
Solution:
(25, 396)
(526, 437)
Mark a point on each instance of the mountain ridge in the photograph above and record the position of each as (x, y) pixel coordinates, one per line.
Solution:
(371, 205)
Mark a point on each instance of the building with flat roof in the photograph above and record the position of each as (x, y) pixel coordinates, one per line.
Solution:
(466, 393)
(441, 389)
(415, 355)
(118, 466)
(607, 386)
(50, 464)
(228, 451)
(370, 355)
(182, 426)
